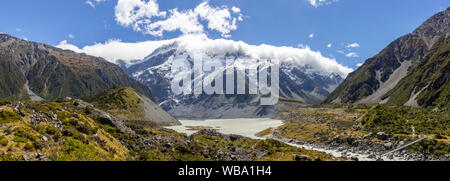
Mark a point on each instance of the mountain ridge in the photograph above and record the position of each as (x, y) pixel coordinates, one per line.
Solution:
(381, 78)
(50, 72)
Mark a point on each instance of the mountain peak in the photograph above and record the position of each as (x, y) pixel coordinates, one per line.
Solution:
(436, 26)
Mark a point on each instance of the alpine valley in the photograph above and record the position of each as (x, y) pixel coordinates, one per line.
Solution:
(62, 105)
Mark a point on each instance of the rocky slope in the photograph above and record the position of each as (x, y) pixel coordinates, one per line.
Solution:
(32, 70)
(413, 70)
(300, 83)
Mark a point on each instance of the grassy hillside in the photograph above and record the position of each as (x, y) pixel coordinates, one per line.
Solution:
(129, 106)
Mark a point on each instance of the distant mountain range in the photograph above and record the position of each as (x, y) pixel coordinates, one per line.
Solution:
(300, 83)
(413, 70)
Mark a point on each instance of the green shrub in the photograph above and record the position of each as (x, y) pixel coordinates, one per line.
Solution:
(28, 147)
(75, 150)
(51, 130)
(5, 102)
(82, 127)
(8, 117)
(10, 158)
(20, 132)
(432, 146)
(401, 120)
(440, 136)
(3, 142)
(20, 139)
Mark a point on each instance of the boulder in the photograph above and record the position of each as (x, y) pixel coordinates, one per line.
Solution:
(388, 145)
(302, 158)
(349, 140)
(368, 136)
(382, 136)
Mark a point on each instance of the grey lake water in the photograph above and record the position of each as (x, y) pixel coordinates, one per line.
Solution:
(247, 127)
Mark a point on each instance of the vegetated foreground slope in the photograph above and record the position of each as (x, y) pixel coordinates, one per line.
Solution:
(72, 129)
(413, 70)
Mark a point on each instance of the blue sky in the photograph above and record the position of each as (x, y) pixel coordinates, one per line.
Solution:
(372, 24)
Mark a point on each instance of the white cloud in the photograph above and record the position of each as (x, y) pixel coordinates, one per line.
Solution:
(235, 9)
(302, 46)
(219, 19)
(71, 36)
(352, 45)
(114, 50)
(129, 12)
(329, 45)
(359, 64)
(147, 18)
(66, 46)
(91, 2)
(18, 29)
(311, 35)
(183, 21)
(352, 54)
(317, 3)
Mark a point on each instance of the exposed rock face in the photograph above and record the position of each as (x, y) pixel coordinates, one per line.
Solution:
(402, 74)
(50, 72)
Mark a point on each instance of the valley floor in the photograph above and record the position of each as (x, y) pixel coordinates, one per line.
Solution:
(367, 133)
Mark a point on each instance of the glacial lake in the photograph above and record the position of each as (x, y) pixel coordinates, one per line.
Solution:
(247, 127)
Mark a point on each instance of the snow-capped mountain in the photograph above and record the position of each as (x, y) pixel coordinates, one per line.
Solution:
(301, 77)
